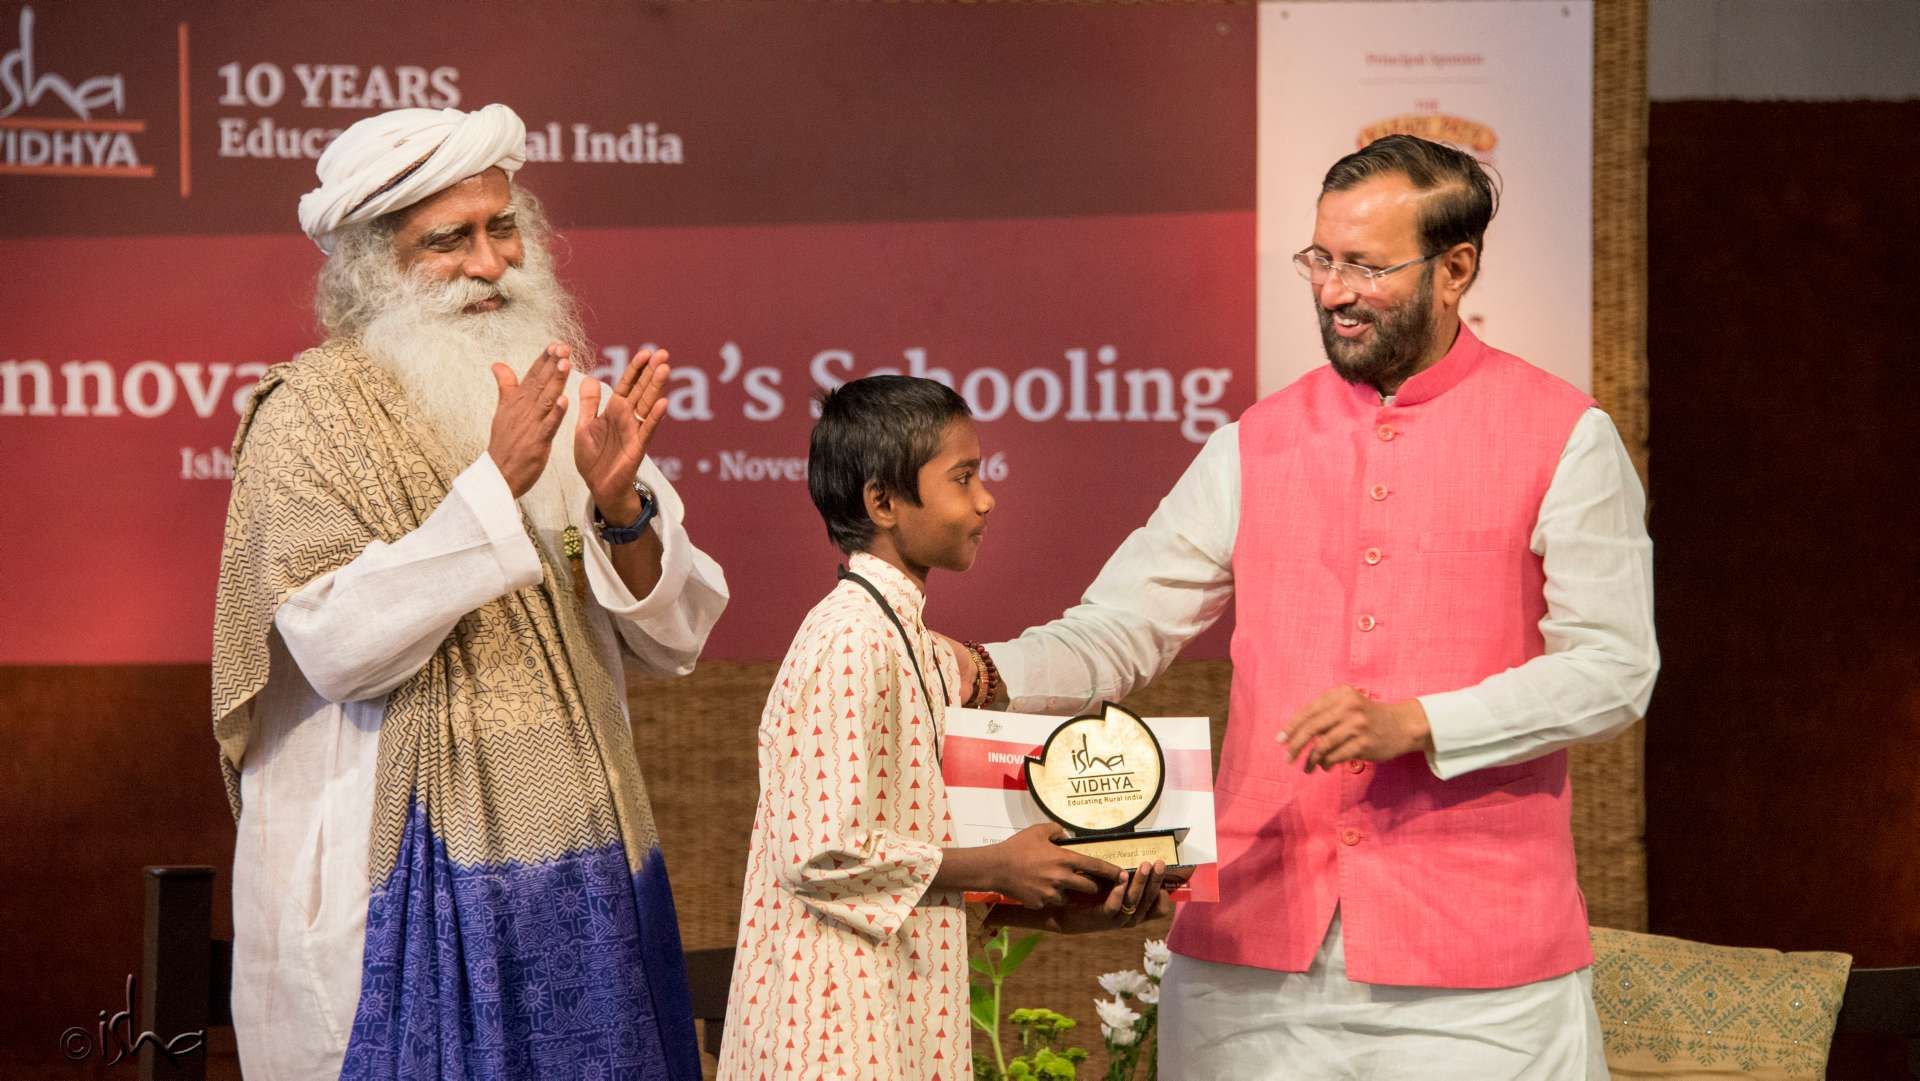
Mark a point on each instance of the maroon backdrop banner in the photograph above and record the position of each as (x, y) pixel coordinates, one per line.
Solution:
(1050, 208)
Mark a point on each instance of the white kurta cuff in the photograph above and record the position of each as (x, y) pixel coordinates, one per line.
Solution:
(485, 492)
(1017, 670)
(676, 556)
(1466, 734)
(668, 627)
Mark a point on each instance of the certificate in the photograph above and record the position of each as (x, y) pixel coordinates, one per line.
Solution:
(1117, 787)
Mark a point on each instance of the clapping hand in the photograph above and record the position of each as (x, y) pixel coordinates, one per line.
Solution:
(526, 416)
(608, 445)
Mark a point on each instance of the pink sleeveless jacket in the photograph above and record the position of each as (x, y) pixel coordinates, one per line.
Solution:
(1387, 547)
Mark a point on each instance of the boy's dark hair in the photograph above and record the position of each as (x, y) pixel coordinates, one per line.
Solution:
(1465, 198)
(882, 429)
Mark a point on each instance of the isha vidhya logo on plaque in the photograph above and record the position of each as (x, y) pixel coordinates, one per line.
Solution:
(1099, 776)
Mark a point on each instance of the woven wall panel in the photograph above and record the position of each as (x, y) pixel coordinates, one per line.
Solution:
(1609, 791)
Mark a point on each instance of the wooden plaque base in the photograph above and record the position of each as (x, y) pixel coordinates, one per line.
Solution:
(1130, 850)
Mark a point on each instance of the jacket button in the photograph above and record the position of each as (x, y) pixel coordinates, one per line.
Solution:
(1349, 836)
(1356, 767)
(1372, 556)
(1385, 432)
(1366, 623)
(1378, 492)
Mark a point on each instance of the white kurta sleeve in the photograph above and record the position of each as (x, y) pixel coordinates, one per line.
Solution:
(1601, 658)
(362, 630)
(666, 629)
(825, 785)
(1168, 581)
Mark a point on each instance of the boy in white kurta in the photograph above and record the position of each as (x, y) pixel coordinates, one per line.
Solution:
(852, 955)
(847, 960)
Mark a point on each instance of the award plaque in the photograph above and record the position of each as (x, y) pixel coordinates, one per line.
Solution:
(1099, 776)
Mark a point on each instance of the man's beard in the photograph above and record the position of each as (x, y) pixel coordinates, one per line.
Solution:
(1399, 341)
(442, 356)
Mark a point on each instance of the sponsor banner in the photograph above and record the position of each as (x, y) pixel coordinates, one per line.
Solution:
(982, 756)
(1511, 83)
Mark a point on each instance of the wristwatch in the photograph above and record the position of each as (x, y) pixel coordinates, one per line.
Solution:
(627, 534)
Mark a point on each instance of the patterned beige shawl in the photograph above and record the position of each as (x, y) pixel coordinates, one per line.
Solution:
(511, 737)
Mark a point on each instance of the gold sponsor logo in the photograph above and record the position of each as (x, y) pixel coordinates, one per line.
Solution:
(1466, 134)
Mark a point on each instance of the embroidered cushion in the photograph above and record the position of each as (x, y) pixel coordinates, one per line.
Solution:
(1670, 1008)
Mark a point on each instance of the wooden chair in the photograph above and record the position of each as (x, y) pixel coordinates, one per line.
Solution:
(186, 975)
(708, 973)
(184, 972)
(1884, 1002)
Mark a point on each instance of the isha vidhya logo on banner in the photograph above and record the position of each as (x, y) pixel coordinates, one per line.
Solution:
(75, 144)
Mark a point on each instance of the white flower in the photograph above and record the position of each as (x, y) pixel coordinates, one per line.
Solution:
(1122, 984)
(1119, 1037)
(1150, 994)
(1154, 958)
(1115, 1014)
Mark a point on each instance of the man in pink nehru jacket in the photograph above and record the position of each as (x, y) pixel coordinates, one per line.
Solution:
(1442, 580)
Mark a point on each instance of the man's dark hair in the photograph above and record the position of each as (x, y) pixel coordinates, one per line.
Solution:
(882, 429)
(1465, 198)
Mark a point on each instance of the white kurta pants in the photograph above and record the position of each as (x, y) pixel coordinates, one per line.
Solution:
(1234, 1021)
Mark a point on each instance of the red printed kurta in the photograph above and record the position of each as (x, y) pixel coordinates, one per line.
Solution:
(848, 966)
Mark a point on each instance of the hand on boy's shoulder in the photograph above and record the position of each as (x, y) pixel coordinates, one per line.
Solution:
(962, 658)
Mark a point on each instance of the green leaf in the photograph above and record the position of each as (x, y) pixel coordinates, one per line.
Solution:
(1018, 952)
(979, 966)
(980, 1005)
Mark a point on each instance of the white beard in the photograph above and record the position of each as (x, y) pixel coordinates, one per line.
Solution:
(443, 357)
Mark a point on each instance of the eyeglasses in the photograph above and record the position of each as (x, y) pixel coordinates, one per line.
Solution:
(1360, 279)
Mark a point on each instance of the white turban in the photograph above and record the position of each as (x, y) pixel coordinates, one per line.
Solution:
(396, 159)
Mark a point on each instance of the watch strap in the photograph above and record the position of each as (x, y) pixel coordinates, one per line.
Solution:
(627, 534)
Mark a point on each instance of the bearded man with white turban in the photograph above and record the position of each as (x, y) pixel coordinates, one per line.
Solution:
(429, 591)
